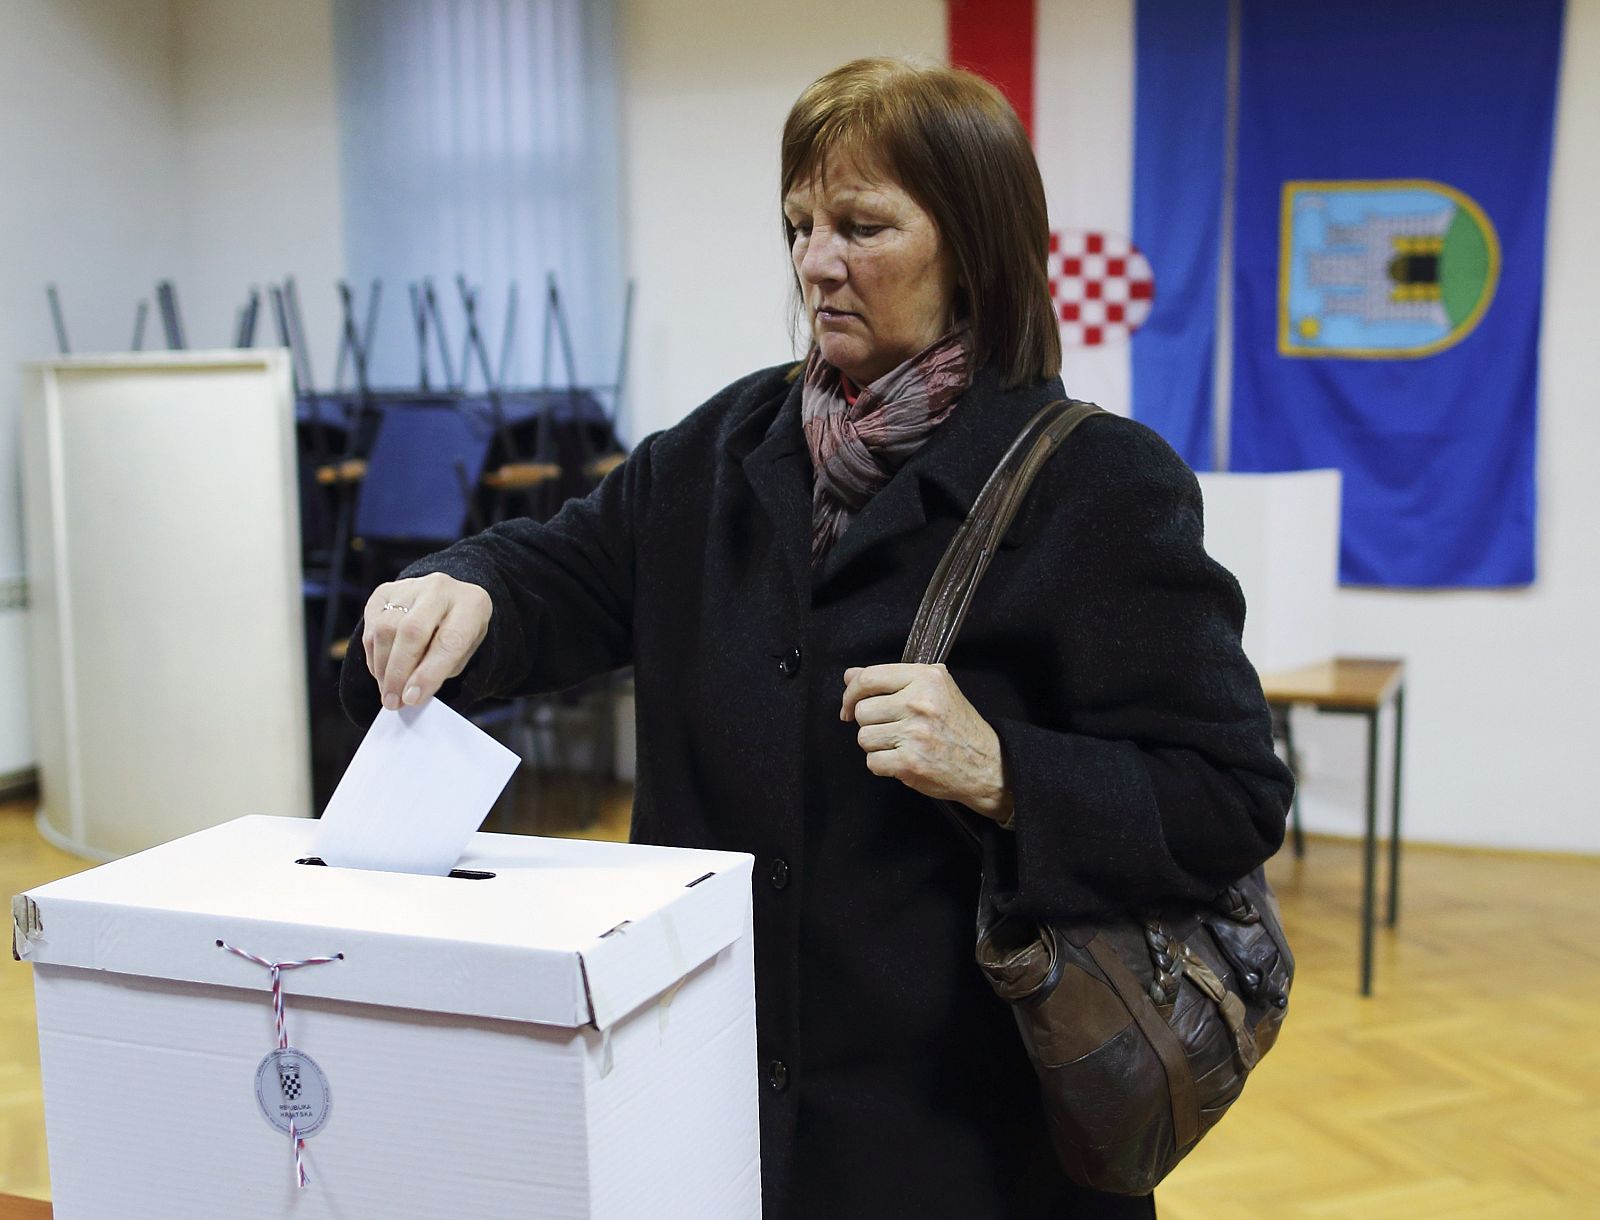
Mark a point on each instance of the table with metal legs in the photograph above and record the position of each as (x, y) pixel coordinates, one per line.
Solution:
(1357, 687)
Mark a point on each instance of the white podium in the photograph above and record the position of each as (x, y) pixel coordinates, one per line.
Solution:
(166, 653)
(568, 1033)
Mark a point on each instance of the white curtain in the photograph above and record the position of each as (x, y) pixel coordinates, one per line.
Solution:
(480, 137)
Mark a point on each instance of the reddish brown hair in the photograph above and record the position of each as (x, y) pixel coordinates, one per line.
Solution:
(953, 143)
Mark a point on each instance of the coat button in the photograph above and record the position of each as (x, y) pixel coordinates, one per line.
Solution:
(778, 1075)
(789, 663)
(780, 873)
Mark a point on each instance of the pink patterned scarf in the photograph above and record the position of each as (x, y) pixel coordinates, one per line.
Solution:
(856, 447)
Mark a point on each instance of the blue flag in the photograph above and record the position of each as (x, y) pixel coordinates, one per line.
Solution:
(1393, 169)
(1180, 120)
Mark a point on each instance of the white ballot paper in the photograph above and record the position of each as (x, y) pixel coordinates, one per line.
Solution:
(421, 783)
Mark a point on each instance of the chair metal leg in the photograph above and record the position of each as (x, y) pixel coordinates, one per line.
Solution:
(548, 745)
(1369, 855)
(507, 802)
(336, 576)
(1294, 772)
(1394, 808)
(530, 734)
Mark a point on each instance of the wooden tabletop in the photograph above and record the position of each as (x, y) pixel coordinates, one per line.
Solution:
(1355, 684)
(13, 1208)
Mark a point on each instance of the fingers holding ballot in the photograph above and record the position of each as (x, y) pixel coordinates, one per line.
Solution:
(421, 632)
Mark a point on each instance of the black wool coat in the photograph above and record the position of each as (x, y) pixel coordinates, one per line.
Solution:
(1103, 646)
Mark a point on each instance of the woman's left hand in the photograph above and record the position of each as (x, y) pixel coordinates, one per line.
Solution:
(917, 727)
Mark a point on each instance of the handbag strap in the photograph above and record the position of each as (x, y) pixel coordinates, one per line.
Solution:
(949, 593)
(1181, 1088)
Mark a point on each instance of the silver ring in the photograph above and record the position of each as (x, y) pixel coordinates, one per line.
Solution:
(393, 606)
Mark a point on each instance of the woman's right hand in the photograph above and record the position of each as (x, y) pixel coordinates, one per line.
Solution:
(420, 632)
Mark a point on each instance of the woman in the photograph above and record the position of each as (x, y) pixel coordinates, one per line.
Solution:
(759, 565)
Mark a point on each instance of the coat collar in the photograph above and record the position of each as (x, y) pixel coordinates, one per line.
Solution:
(944, 477)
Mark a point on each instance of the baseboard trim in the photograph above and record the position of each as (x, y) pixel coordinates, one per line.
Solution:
(16, 784)
(1467, 849)
(72, 847)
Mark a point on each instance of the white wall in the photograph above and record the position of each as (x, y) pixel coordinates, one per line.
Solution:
(145, 139)
(706, 87)
(260, 153)
(1503, 703)
(110, 103)
(89, 199)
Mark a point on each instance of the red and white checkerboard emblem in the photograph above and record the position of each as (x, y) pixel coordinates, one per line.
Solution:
(1101, 285)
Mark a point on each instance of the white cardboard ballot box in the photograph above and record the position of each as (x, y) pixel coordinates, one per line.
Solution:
(573, 1036)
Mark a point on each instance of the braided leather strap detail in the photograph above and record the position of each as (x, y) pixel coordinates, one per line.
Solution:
(1167, 959)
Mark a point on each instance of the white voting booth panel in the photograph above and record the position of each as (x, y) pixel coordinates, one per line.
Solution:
(1279, 535)
(167, 657)
(571, 1037)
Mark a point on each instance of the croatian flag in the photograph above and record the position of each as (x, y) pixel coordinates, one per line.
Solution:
(1135, 213)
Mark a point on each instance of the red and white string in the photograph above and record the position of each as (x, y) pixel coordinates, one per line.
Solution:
(277, 969)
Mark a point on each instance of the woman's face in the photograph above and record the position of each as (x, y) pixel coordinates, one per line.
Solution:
(878, 284)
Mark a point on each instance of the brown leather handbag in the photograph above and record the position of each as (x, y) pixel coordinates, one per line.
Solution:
(1142, 1029)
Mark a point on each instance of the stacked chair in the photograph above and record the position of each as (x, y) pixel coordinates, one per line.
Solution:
(387, 475)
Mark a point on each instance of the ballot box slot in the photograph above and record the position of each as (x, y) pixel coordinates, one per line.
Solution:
(463, 874)
(689, 885)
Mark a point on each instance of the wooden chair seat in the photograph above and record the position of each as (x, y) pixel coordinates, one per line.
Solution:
(521, 476)
(602, 466)
(333, 474)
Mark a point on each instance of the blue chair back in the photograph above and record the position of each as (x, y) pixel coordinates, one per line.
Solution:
(424, 464)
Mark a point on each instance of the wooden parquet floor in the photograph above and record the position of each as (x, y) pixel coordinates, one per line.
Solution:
(1468, 1086)
(26, 860)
